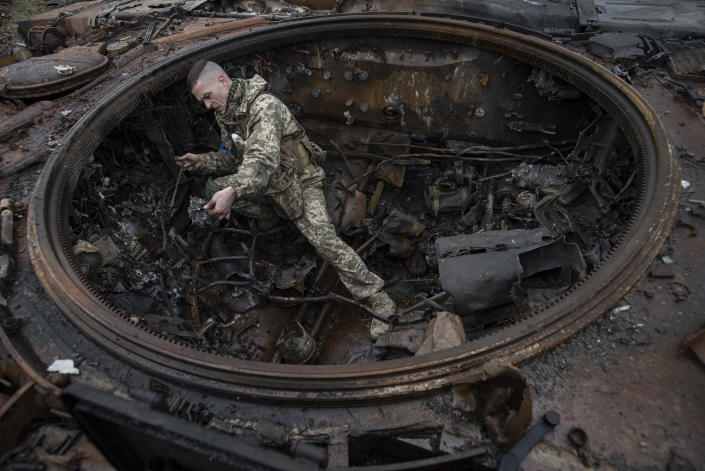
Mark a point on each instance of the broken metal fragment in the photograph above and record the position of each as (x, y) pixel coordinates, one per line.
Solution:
(198, 215)
(135, 303)
(554, 216)
(478, 270)
(107, 248)
(87, 257)
(616, 46)
(7, 265)
(354, 212)
(512, 459)
(686, 59)
(292, 276)
(492, 268)
(444, 331)
(447, 201)
(406, 339)
(14, 161)
(547, 271)
(505, 400)
(680, 290)
(696, 343)
(533, 177)
(522, 126)
(550, 87)
(295, 346)
(399, 246)
(24, 117)
(401, 223)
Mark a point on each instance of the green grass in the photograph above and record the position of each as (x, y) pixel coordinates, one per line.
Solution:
(27, 8)
(8, 28)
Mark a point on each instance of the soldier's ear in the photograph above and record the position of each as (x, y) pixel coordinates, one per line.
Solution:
(221, 78)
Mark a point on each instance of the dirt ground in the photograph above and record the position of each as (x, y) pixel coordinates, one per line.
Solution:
(625, 379)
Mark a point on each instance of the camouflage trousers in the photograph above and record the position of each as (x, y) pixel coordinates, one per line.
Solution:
(316, 226)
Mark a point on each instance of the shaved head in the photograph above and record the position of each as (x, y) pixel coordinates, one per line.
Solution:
(204, 71)
(210, 85)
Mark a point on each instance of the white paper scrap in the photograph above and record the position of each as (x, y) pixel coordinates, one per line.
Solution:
(63, 366)
(618, 309)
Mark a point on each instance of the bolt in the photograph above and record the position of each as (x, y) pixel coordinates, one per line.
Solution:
(479, 112)
(348, 76)
(11, 325)
(315, 93)
(326, 75)
(362, 75)
(349, 102)
(364, 107)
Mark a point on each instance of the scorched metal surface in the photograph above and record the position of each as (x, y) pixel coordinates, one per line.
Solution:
(389, 380)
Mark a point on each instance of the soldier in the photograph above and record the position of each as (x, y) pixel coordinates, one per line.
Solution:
(266, 162)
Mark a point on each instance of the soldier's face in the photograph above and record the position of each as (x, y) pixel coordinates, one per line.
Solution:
(213, 93)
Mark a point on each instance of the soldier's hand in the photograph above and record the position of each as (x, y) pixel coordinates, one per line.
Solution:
(190, 162)
(221, 203)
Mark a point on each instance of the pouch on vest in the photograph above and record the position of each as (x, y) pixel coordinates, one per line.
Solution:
(210, 189)
(318, 155)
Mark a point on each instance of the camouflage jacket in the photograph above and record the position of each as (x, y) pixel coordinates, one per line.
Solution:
(252, 164)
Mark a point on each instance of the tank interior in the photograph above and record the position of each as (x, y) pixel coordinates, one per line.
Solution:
(471, 182)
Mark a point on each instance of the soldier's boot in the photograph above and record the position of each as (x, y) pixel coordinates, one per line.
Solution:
(381, 303)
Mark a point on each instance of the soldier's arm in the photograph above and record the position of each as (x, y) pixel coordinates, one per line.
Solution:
(217, 163)
(222, 161)
(261, 152)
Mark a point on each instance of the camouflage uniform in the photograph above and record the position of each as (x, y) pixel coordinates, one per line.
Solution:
(267, 177)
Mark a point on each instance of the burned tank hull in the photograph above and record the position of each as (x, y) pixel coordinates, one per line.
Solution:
(342, 408)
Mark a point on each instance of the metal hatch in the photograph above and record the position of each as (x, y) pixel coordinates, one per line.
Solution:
(48, 75)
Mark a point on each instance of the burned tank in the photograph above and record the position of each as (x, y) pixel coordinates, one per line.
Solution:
(508, 190)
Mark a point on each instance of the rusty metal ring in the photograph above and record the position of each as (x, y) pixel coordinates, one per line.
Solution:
(658, 175)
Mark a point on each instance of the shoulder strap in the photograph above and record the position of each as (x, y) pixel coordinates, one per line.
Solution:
(243, 120)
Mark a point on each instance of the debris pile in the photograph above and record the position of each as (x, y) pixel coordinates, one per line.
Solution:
(498, 230)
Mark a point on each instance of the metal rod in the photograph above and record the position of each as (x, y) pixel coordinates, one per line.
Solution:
(420, 305)
(224, 259)
(327, 297)
(225, 283)
(176, 189)
(316, 329)
(270, 17)
(345, 159)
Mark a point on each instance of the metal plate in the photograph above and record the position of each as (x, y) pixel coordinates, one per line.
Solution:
(38, 76)
(688, 64)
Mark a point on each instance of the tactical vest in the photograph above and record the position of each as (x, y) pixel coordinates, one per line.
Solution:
(296, 152)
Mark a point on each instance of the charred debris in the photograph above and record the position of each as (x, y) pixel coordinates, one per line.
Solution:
(487, 230)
